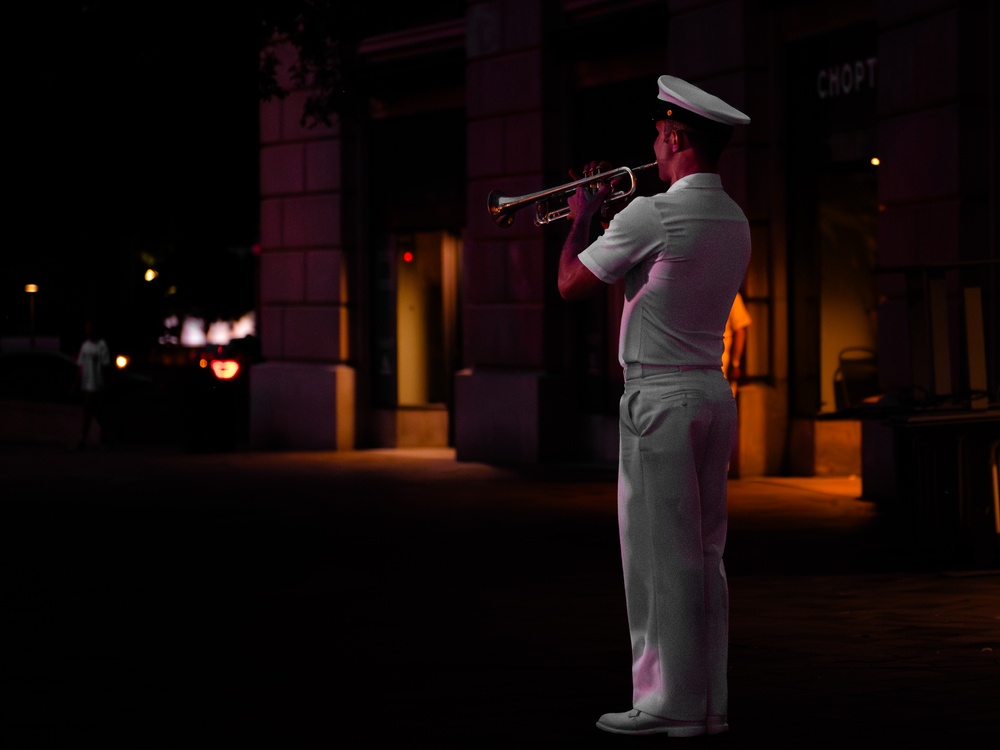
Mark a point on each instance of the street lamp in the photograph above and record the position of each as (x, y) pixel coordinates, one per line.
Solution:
(32, 290)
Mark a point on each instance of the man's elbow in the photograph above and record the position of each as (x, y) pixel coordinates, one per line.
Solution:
(576, 281)
(570, 286)
(579, 286)
(566, 290)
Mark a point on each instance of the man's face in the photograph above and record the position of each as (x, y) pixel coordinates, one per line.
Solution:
(661, 147)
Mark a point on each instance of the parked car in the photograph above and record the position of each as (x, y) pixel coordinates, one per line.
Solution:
(215, 389)
(38, 375)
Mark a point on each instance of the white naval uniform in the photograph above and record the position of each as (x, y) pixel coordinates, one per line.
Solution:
(683, 255)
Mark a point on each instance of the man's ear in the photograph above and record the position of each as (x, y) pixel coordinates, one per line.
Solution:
(682, 139)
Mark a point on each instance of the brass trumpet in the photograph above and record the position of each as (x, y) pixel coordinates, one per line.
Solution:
(502, 207)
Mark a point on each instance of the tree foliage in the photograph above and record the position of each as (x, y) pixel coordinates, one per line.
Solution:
(322, 33)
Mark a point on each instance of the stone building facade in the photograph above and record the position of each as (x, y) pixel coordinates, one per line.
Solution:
(394, 312)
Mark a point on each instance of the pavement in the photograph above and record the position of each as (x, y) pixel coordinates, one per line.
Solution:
(154, 597)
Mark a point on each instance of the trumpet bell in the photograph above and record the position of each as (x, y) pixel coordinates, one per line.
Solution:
(502, 217)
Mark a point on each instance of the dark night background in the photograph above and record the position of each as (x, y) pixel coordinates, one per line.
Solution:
(133, 138)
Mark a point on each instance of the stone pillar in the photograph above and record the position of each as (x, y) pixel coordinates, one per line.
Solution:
(501, 398)
(302, 395)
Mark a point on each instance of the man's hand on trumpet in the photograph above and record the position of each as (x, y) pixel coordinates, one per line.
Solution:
(589, 199)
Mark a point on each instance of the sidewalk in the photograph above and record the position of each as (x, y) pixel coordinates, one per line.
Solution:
(303, 599)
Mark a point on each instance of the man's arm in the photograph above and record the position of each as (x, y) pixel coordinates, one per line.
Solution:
(576, 281)
(736, 354)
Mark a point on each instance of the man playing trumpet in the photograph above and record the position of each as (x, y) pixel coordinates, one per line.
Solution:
(683, 254)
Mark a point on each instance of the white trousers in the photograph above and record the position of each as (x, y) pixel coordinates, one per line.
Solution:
(677, 432)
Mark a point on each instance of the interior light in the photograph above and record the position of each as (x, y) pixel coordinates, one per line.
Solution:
(121, 361)
(875, 161)
(151, 274)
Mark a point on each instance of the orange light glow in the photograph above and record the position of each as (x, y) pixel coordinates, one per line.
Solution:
(225, 369)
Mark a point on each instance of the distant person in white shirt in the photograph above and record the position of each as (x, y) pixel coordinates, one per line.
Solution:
(92, 360)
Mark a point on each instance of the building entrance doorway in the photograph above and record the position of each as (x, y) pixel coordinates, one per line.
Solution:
(846, 235)
(418, 346)
(832, 236)
(426, 316)
(833, 213)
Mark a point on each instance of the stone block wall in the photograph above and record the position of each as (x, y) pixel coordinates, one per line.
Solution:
(303, 395)
(498, 403)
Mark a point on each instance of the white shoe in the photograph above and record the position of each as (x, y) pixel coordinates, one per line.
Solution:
(638, 722)
(716, 724)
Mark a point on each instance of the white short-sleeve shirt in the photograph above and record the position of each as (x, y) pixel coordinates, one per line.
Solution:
(683, 254)
(94, 356)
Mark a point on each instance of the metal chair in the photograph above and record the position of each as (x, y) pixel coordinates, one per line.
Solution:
(856, 377)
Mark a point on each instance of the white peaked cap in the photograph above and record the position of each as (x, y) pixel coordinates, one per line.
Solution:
(687, 96)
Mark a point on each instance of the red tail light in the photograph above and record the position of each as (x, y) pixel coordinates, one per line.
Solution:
(225, 369)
